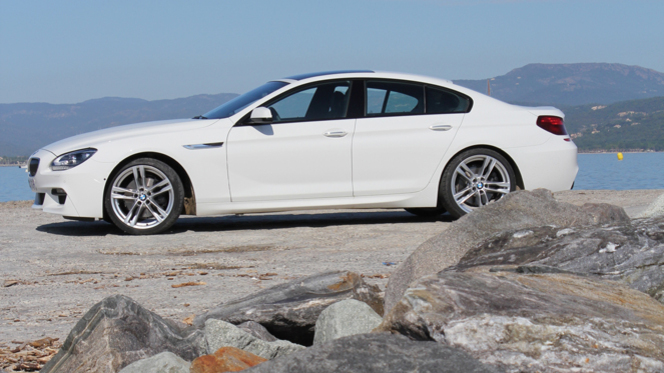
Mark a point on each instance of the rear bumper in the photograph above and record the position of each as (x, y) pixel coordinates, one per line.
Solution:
(552, 165)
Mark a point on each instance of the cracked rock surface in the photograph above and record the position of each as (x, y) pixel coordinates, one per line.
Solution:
(631, 253)
(545, 322)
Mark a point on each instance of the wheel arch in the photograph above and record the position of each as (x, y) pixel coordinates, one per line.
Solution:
(517, 172)
(189, 195)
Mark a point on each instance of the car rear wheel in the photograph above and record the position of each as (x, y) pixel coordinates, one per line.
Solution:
(475, 178)
(145, 197)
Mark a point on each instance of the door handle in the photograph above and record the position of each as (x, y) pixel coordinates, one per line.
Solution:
(336, 133)
(440, 127)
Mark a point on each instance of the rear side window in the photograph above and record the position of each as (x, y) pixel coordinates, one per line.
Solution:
(392, 98)
(440, 101)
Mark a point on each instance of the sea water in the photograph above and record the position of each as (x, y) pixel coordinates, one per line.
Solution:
(596, 171)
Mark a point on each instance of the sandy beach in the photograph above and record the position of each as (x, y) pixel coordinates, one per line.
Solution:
(54, 270)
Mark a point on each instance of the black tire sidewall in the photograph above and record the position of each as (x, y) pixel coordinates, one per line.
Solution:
(445, 190)
(178, 197)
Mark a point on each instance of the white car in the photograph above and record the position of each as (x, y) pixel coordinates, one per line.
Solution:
(344, 139)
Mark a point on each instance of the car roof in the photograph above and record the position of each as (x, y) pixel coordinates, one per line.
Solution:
(311, 75)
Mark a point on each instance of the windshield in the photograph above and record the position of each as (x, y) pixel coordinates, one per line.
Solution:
(238, 103)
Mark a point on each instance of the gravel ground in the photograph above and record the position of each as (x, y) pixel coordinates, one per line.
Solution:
(54, 270)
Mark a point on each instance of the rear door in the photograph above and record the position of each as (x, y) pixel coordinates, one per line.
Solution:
(401, 140)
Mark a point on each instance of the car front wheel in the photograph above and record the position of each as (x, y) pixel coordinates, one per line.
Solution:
(145, 197)
(475, 178)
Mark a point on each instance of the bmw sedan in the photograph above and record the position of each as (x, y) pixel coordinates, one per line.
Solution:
(344, 139)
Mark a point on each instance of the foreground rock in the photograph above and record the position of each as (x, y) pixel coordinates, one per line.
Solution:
(257, 330)
(220, 334)
(518, 210)
(345, 318)
(629, 253)
(553, 322)
(376, 353)
(225, 359)
(289, 311)
(118, 331)
(165, 362)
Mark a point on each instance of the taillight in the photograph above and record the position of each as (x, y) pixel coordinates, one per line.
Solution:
(552, 124)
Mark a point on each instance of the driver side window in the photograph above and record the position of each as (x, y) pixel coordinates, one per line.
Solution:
(323, 101)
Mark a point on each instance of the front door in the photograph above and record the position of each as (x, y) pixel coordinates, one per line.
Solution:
(304, 153)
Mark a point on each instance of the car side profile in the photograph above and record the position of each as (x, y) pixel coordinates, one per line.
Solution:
(345, 139)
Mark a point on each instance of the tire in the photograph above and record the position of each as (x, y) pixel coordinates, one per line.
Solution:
(427, 212)
(475, 178)
(144, 197)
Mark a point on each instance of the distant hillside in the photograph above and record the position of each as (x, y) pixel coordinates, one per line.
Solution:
(629, 125)
(572, 84)
(25, 127)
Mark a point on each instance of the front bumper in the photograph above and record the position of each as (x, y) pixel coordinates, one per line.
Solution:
(77, 192)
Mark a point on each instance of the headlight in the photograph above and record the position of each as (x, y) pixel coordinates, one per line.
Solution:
(72, 159)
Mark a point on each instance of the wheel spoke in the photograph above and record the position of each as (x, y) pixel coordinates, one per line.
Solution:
(464, 195)
(501, 191)
(129, 212)
(483, 199)
(157, 215)
(469, 174)
(487, 169)
(141, 170)
(121, 193)
(139, 211)
(158, 185)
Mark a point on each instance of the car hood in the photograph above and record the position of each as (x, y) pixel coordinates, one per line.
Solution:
(93, 139)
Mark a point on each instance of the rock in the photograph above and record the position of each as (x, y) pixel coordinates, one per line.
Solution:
(517, 210)
(654, 209)
(629, 253)
(225, 359)
(117, 332)
(376, 353)
(257, 330)
(219, 334)
(344, 318)
(165, 362)
(553, 322)
(289, 311)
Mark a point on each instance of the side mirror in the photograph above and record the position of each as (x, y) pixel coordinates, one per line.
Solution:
(260, 115)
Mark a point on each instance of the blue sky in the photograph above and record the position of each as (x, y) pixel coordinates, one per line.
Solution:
(71, 51)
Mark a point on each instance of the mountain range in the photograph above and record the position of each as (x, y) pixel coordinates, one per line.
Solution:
(572, 84)
(594, 96)
(25, 127)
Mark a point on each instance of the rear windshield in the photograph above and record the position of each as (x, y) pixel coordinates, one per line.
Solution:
(235, 105)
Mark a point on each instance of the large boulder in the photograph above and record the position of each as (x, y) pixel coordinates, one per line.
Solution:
(220, 334)
(630, 253)
(165, 362)
(289, 311)
(375, 353)
(517, 210)
(344, 318)
(545, 322)
(117, 332)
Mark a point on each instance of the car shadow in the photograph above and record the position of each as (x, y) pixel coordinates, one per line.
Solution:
(250, 222)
